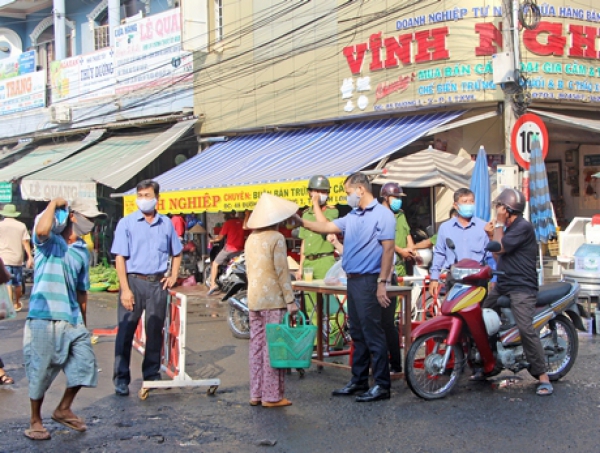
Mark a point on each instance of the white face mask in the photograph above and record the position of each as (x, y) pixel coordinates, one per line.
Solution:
(146, 205)
(323, 199)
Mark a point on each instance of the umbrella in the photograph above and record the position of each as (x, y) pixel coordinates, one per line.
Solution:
(480, 186)
(540, 206)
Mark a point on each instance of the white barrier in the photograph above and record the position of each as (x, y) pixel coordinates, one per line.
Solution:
(174, 348)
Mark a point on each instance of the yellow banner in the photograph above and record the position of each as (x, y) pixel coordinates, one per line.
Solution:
(241, 198)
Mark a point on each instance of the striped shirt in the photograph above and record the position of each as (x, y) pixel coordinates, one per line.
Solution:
(60, 271)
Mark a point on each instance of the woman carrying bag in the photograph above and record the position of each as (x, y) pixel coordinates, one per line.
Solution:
(270, 294)
(7, 311)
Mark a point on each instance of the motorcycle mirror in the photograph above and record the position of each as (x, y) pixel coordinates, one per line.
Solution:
(493, 247)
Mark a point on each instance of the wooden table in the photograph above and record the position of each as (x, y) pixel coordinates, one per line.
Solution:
(320, 288)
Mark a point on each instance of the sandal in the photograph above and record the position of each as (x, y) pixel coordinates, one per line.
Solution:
(5, 379)
(37, 434)
(281, 403)
(544, 389)
(255, 402)
(19, 306)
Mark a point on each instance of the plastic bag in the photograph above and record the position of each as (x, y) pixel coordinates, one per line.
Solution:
(336, 275)
(7, 309)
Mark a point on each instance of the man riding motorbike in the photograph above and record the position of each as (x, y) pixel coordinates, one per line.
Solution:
(518, 280)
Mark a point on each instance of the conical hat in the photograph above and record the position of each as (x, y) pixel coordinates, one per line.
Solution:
(197, 229)
(271, 210)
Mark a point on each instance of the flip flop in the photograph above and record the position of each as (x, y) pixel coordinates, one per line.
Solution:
(255, 402)
(19, 306)
(544, 389)
(74, 423)
(478, 376)
(37, 434)
(5, 379)
(281, 403)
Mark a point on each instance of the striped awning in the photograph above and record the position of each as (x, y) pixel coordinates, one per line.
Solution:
(429, 168)
(45, 156)
(111, 162)
(587, 124)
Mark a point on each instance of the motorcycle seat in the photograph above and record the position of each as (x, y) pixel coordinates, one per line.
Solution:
(547, 294)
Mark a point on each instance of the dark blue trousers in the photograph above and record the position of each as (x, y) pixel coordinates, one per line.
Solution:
(367, 332)
(151, 297)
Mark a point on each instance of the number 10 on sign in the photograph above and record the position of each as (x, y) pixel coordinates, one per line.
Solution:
(526, 130)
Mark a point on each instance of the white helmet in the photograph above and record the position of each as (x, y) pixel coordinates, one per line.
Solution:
(424, 257)
(491, 320)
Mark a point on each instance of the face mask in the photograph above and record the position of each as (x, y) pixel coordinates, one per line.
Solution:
(145, 205)
(396, 204)
(466, 210)
(353, 200)
(61, 217)
(323, 199)
(82, 226)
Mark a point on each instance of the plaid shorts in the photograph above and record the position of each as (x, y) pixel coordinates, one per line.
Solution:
(51, 346)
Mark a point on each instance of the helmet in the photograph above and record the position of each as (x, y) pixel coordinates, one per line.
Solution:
(424, 257)
(491, 320)
(512, 199)
(318, 182)
(391, 189)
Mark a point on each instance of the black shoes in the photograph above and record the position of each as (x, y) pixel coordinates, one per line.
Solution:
(122, 389)
(375, 393)
(350, 389)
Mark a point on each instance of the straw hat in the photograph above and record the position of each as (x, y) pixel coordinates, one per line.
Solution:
(197, 229)
(10, 210)
(271, 210)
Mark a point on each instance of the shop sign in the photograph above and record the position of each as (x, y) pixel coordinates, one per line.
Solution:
(148, 53)
(5, 192)
(23, 93)
(44, 190)
(22, 64)
(240, 198)
(414, 68)
(83, 77)
(526, 130)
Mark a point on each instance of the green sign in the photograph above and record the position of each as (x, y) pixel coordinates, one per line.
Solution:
(5, 192)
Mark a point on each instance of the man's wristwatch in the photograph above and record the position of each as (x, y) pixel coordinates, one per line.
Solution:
(381, 280)
(499, 225)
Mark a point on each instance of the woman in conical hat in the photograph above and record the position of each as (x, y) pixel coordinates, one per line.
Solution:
(270, 294)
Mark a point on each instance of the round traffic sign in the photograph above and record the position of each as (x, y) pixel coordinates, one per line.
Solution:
(526, 129)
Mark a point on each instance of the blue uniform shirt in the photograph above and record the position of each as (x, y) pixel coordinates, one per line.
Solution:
(363, 230)
(469, 243)
(145, 246)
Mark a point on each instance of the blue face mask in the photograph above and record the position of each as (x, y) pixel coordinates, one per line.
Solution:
(466, 210)
(353, 200)
(396, 204)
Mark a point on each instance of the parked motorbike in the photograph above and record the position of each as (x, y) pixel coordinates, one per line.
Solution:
(465, 333)
(235, 286)
(222, 271)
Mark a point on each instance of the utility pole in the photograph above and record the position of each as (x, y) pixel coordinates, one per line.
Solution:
(510, 44)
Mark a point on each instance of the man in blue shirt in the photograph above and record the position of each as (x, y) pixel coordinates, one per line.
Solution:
(55, 336)
(143, 242)
(369, 231)
(468, 234)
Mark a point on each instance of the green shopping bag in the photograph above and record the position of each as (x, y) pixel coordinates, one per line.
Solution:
(291, 347)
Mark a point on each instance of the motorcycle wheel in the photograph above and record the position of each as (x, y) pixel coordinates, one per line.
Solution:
(239, 323)
(565, 346)
(423, 363)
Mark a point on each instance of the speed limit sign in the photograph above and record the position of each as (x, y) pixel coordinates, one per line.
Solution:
(526, 130)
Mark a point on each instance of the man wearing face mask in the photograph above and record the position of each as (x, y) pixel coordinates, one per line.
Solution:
(391, 195)
(468, 234)
(55, 336)
(316, 252)
(143, 242)
(369, 231)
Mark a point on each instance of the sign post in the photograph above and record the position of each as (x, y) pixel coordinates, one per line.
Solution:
(528, 128)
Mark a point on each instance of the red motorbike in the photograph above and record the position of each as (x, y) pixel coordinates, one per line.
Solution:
(465, 334)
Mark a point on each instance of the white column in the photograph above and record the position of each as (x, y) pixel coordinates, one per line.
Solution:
(114, 18)
(60, 30)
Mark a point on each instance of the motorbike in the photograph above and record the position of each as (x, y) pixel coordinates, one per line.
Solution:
(465, 333)
(235, 286)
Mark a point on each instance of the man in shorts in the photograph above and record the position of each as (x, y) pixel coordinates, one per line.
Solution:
(56, 337)
(233, 230)
(14, 238)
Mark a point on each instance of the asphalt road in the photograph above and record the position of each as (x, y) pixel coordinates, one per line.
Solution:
(476, 418)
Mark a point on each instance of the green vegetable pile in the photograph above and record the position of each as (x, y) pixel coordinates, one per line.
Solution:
(105, 274)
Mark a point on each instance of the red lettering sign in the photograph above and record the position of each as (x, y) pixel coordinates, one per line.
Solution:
(431, 45)
(488, 36)
(555, 41)
(583, 41)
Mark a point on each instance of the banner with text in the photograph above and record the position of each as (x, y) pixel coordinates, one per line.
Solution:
(46, 190)
(241, 198)
(22, 64)
(23, 93)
